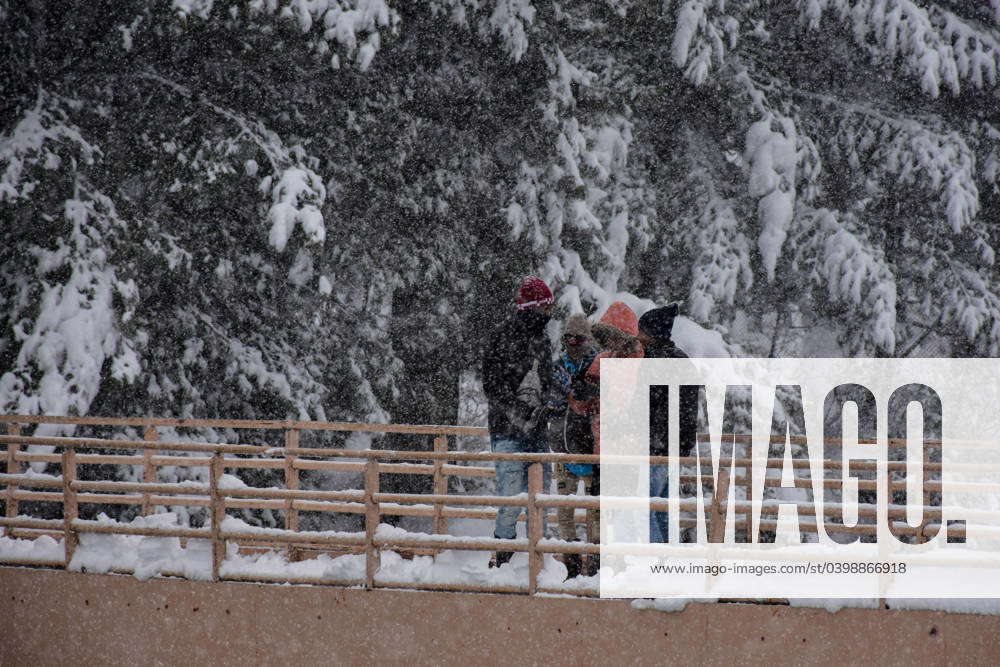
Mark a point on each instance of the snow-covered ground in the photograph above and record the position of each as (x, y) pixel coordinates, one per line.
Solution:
(42, 548)
(146, 557)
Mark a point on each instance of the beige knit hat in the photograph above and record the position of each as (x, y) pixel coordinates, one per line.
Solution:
(577, 325)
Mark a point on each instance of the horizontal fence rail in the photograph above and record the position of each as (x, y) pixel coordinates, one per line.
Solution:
(439, 462)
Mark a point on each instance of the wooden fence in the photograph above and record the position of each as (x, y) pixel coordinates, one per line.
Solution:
(440, 463)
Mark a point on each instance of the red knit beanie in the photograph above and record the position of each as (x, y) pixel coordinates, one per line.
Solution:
(534, 293)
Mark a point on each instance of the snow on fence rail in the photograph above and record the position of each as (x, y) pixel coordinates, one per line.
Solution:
(223, 492)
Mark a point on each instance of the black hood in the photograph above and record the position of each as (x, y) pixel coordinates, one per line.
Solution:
(659, 322)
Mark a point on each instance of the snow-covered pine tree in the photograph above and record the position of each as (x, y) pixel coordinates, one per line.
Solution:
(167, 246)
(766, 170)
(273, 208)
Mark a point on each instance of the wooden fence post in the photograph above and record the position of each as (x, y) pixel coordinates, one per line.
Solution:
(717, 528)
(71, 509)
(371, 523)
(13, 468)
(535, 528)
(215, 473)
(440, 485)
(148, 469)
(748, 473)
(926, 476)
(291, 483)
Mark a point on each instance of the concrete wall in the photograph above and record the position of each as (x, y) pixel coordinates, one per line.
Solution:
(52, 617)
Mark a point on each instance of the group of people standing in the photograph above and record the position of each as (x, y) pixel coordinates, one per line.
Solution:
(539, 404)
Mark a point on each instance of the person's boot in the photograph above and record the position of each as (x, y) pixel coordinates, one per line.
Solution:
(500, 558)
(573, 563)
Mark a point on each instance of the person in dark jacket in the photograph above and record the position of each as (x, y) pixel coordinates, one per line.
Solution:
(655, 334)
(517, 380)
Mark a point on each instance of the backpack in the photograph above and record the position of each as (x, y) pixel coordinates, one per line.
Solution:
(527, 414)
(570, 433)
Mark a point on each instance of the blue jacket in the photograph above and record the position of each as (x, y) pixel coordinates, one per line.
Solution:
(563, 372)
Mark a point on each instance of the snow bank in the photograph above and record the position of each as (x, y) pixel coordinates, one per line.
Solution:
(150, 556)
(154, 556)
(40, 548)
(697, 341)
(661, 604)
(145, 556)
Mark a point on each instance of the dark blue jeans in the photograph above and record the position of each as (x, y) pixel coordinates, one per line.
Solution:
(659, 487)
(512, 477)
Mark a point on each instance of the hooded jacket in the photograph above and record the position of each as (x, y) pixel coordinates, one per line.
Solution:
(516, 347)
(619, 323)
(658, 402)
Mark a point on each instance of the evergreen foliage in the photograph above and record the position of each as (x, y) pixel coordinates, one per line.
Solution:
(317, 209)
